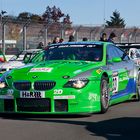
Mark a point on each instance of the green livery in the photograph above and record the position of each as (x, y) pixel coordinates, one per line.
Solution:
(76, 77)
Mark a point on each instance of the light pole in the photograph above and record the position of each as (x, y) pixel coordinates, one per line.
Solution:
(104, 13)
(3, 30)
(25, 34)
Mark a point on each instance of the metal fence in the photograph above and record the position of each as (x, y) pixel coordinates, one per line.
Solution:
(25, 35)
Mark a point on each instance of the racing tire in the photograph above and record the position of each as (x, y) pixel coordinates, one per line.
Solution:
(104, 96)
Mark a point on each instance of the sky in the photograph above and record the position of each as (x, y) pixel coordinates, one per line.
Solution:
(82, 12)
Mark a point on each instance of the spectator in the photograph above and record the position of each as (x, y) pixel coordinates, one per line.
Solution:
(56, 40)
(85, 39)
(40, 45)
(103, 37)
(111, 37)
(61, 40)
(49, 43)
(71, 38)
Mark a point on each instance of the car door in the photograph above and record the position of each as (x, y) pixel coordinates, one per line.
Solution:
(120, 70)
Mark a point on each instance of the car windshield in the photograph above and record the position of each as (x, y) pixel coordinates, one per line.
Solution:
(75, 52)
(24, 56)
(20, 57)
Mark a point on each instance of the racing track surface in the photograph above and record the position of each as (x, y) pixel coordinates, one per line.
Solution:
(122, 121)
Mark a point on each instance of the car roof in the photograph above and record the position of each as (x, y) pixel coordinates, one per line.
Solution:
(128, 45)
(81, 43)
(32, 50)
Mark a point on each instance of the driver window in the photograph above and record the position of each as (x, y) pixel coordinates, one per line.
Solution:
(113, 51)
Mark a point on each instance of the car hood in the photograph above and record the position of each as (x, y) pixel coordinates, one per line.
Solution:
(54, 69)
(11, 64)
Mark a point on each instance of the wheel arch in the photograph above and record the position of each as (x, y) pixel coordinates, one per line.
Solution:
(106, 76)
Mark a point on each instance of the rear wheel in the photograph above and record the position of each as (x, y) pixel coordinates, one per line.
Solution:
(104, 95)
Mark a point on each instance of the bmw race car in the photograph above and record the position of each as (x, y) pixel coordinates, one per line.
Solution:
(77, 77)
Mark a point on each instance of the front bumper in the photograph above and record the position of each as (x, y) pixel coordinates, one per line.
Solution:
(47, 106)
(70, 101)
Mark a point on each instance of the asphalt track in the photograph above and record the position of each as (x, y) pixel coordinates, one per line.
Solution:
(121, 122)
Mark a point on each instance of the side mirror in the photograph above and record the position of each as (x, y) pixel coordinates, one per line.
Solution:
(116, 59)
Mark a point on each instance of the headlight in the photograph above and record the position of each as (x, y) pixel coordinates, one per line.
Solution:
(2, 85)
(3, 80)
(76, 83)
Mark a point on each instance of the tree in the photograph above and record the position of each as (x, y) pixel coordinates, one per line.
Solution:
(29, 16)
(116, 21)
(66, 19)
(52, 14)
(56, 20)
(35, 17)
(47, 16)
(24, 16)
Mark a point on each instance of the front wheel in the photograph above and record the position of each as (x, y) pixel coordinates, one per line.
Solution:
(104, 95)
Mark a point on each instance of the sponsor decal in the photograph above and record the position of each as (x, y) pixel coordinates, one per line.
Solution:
(98, 71)
(92, 96)
(66, 77)
(115, 82)
(41, 70)
(8, 95)
(34, 76)
(10, 92)
(123, 79)
(32, 94)
(58, 91)
(65, 97)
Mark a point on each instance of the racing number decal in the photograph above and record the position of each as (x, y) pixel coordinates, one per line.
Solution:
(58, 91)
(115, 83)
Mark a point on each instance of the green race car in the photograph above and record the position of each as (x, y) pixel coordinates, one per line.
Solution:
(77, 77)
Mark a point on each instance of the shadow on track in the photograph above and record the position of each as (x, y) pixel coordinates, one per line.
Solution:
(114, 129)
